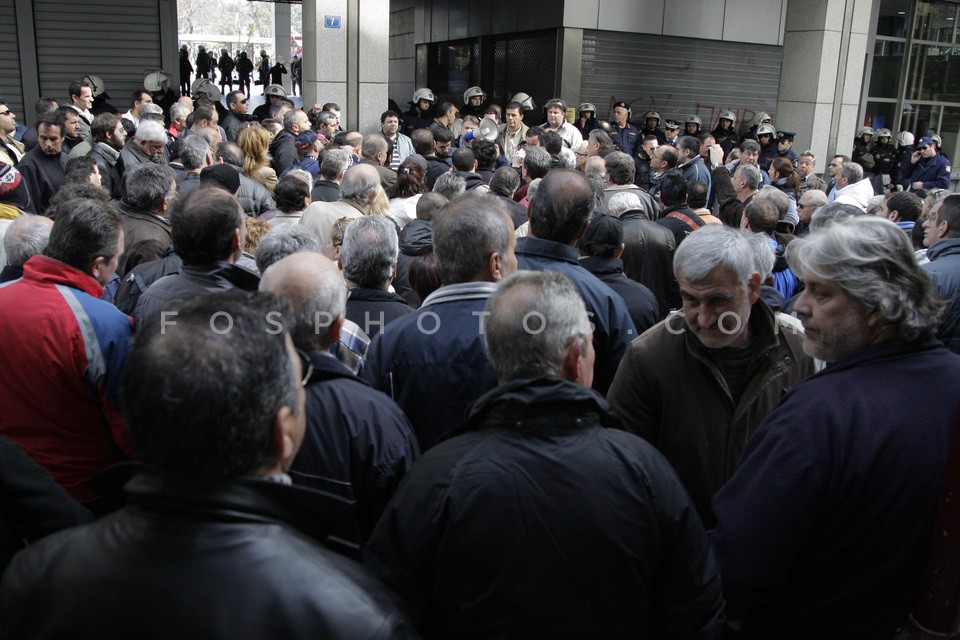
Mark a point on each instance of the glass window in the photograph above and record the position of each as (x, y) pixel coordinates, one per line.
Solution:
(920, 119)
(893, 18)
(950, 133)
(934, 73)
(880, 115)
(936, 22)
(887, 66)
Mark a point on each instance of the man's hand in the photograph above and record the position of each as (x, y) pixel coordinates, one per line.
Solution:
(916, 185)
(716, 156)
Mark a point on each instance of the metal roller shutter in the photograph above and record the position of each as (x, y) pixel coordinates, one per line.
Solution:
(116, 40)
(10, 88)
(679, 76)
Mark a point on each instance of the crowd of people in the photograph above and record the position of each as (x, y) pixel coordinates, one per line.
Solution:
(476, 373)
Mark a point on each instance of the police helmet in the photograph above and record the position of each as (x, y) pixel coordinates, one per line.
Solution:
(275, 90)
(694, 120)
(423, 94)
(97, 86)
(204, 88)
(153, 81)
(652, 114)
(586, 106)
(472, 92)
(862, 131)
(905, 138)
(766, 129)
(525, 101)
(884, 133)
(728, 115)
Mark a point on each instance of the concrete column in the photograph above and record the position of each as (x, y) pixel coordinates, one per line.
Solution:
(571, 66)
(346, 58)
(281, 40)
(824, 48)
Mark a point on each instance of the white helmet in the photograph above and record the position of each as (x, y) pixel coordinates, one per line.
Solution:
(470, 93)
(905, 138)
(153, 80)
(765, 129)
(728, 115)
(652, 114)
(202, 87)
(275, 90)
(884, 133)
(864, 131)
(525, 101)
(423, 94)
(97, 86)
(586, 106)
(693, 120)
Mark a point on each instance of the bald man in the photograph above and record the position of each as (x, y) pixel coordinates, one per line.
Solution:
(358, 443)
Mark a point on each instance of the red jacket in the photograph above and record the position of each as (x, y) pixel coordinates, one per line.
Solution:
(62, 351)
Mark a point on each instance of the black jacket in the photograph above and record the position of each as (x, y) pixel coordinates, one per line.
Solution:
(539, 520)
(373, 309)
(111, 170)
(358, 442)
(325, 191)
(416, 239)
(641, 303)
(188, 558)
(283, 152)
(648, 256)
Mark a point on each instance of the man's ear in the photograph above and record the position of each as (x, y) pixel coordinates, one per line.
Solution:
(336, 328)
(495, 266)
(574, 365)
(619, 252)
(753, 287)
(283, 439)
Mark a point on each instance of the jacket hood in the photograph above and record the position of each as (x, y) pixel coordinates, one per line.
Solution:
(416, 238)
(858, 194)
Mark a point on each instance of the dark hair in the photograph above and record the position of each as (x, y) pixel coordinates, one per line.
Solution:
(513, 105)
(441, 134)
(61, 113)
(60, 202)
(50, 120)
(536, 162)
(552, 142)
(429, 204)
(422, 141)
(689, 144)
(388, 114)
(80, 169)
(85, 229)
(202, 400)
(505, 182)
(464, 159)
(76, 86)
(290, 192)
(762, 216)
(230, 153)
(673, 189)
(784, 169)
(669, 155)
(43, 105)
(137, 96)
(147, 185)
(102, 125)
(696, 194)
(534, 131)
(204, 223)
(234, 97)
(424, 277)
(466, 232)
(564, 202)
(201, 113)
(410, 180)
(949, 212)
(907, 204)
(486, 153)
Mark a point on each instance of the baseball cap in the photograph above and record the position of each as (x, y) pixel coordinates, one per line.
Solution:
(306, 139)
(604, 234)
(924, 141)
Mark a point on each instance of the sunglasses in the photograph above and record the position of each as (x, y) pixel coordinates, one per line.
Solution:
(918, 148)
(305, 366)
(3, 113)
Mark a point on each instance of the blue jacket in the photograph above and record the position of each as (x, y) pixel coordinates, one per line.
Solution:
(626, 138)
(932, 172)
(944, 270)
(822, 531)
(612, 327)
(358, 444)
(697, 171)
(432, 362)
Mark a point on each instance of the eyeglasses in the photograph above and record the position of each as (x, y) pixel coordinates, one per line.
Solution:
(918, 148)
(306, 367)
(3, 113)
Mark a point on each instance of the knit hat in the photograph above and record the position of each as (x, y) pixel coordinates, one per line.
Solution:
(13, 189)
(223, 176)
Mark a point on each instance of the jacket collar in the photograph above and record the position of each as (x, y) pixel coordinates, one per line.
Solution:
(223, 271)
(886, 350)
(945, 247)
(602, 266)
(550, 249)
(532, 401)
(50, 271)
(763, 325)
(460, 291)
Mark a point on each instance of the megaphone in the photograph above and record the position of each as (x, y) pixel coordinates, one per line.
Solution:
(487, 130)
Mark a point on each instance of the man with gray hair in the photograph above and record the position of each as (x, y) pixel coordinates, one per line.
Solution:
(357, 192)
(810, 201)
(150, 190)
(505, 183)
(432, 361)
(25, 237)
(734, 191)
(824, 528)
(333, 166)
(621, 170)
(726, 347)
(145, 146)
(537, 451)
(852, 187)
(194, 155)
(374, 150)
(450, 185)
(358, 443)
(283, 147)
(368, 258)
